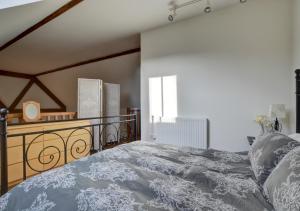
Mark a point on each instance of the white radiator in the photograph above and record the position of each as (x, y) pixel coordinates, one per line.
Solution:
(182, 132)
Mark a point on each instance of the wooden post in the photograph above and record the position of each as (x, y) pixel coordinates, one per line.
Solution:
(3, 150)
(297, 101)
(135, 127)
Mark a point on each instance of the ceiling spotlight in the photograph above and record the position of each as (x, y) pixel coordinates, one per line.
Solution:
(208, 8)
(243, 1)
(173, 8)
(171, 18)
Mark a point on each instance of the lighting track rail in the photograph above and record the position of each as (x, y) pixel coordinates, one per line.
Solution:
(174, 6)
(178, 6)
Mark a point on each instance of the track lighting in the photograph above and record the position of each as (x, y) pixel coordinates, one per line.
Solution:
(174, 6)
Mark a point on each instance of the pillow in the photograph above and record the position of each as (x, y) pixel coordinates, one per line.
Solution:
(295, 136)
(266, 153)
(282, 187)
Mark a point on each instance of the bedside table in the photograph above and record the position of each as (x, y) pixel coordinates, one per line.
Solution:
(251, 140)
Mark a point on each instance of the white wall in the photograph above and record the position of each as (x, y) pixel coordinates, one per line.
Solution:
(230, 65)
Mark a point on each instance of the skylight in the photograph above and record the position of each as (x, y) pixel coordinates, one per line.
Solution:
(13, 3)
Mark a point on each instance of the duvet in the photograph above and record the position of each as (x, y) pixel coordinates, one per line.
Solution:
(144, 176)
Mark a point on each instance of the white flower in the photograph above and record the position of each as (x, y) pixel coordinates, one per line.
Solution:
(233, 184)
(159, 164)
(41, 203)
(4, 201)
(110, 170)
(57, 178)
(287, 195)
(205, 163)
(260, 119)
(111, 198)
(174, 193)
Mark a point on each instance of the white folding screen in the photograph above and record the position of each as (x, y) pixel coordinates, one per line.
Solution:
(90, 96)
(90, 102)
(111, 99)
(112, 108)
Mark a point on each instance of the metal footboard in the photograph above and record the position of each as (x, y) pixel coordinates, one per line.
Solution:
(100, 129)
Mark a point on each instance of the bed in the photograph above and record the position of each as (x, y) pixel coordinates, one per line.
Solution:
(144, 176)
(148, 176)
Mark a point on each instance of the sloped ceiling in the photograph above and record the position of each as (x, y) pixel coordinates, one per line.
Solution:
(91, 29)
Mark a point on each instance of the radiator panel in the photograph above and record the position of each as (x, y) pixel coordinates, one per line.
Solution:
(182, 132)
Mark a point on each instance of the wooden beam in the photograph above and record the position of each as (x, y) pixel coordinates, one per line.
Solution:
(47, 19)
(2, 105)
(21, 95)
(44, 110)
(123, 53)
(15, 74)
(50, 94)
(12, 107)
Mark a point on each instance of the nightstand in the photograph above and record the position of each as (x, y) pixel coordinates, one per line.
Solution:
(251, 140)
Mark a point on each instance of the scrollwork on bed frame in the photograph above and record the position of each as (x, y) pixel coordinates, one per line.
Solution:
(101, 129)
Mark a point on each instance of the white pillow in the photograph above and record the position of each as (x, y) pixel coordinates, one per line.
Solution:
(295, 136)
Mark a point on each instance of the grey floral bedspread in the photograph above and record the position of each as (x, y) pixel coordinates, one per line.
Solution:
(143, 176)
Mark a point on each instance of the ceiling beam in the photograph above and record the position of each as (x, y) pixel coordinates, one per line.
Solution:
(15, 74)
(21, 95)
(47, 19)
(123, 53)
(50, 94)
(32, 80)
(43, 110)
(2, 105)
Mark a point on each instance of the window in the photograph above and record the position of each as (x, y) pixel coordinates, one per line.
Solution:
(163, 97)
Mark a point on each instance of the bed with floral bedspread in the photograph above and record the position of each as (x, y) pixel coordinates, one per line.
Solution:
(144, 176)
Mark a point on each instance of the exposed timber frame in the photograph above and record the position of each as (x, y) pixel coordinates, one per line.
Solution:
(32, 80)
(41, 23)
(2, 105)
(98, 59)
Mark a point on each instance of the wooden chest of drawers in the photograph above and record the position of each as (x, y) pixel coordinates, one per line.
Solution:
(44, 152)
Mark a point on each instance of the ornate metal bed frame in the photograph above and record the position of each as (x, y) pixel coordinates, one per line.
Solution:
(297, 100)
(99, 129)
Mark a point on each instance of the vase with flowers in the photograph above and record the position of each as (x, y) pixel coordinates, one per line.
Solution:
(265, 124)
